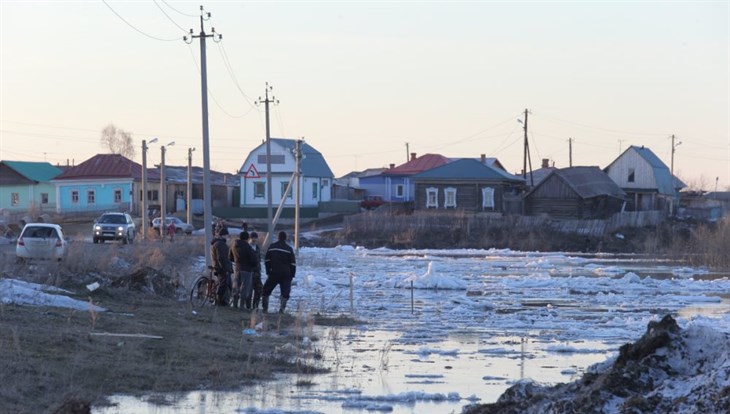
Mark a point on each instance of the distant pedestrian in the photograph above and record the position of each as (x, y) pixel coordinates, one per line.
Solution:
(244, 227)
(222, 265)
(171, 229)
(256, 277)
(281, 268)
(245, 261)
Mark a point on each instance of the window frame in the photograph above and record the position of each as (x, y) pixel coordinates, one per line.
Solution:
(432, 202)
(90, 196)
(44, 198)
(400, 190)
(632, 175)
(259, 189)
(450, 197)
(117, 195)
(488, 198)
(284, 184)
(74, 196)
(14, 199)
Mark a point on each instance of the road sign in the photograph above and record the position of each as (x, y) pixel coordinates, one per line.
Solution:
(252, 172)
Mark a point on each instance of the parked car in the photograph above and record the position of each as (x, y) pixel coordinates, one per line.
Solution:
(372, 202)
(114, 226)
(41, 241)
(180, 226)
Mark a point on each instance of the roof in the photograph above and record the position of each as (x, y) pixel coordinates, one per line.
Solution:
(423, 163)
(35, 171)
(179, 174)
(313, 163)
(539, 175)
(587, 182)
(104, 166)
(664, 180)
(467, 169)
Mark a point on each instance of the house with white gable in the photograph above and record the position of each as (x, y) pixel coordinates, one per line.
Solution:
(315, 180)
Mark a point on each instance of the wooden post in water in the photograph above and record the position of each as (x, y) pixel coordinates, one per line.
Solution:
(412, 307)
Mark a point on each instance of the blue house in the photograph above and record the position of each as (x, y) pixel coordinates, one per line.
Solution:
(103, 182)
(27, 186)
(467, 185)
(394, 184)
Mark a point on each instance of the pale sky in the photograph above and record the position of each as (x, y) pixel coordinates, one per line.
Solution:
(359, 80)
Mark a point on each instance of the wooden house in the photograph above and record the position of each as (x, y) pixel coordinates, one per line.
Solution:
(394, 184)
(646, 180)
(466, 184)
(575, 193)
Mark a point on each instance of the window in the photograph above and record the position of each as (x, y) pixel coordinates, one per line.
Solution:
(283, 190)
(450, 197)
(44, 198)
(90, 196)
(275, 159)
(315, 190)
(259, 189)
(14, 199)
(325, 182)
(488, 197)
(75, 197)
(432, 197)
(117, 196)
(399, 190)
(632, 175)
(152, 195)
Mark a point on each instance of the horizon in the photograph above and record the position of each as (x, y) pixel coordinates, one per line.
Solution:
(368, 83)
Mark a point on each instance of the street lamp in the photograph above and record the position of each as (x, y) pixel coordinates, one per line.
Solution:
(144, 187)
(163, 190)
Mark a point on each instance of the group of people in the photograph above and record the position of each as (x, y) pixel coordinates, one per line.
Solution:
(238, 266)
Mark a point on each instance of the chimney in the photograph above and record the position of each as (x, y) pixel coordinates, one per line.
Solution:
(545, 163)
(392, 166)
(413, 156)
(484, 158)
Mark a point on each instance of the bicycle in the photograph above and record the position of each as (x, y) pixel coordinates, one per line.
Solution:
(205, 290)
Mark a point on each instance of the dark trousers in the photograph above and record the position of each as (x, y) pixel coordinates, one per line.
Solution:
(284, 283)
(257, 288)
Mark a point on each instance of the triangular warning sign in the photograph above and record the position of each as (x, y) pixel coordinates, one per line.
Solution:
(252, 172)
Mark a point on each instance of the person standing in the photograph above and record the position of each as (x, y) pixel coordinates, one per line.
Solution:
(281, 268)
(245, 261)
(171, 229)
(222, 264)
(256, 277)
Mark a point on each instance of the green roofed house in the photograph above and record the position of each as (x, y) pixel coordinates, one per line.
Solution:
(468, 185)
(26, 185)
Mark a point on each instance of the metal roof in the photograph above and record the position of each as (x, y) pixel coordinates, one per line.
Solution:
(105, 166)
(35, 171)
(313, 163)
(423, 163)
(467, 169)
(179, 174)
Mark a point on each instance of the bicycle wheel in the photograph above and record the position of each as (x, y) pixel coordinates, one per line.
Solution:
(199, 293)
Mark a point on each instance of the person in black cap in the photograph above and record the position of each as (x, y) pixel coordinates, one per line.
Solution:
(222, 265)
(256, 278)
(281, 268)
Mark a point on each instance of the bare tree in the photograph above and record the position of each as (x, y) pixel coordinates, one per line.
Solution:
(117, 140)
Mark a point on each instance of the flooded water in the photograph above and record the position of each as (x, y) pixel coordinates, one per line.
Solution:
(545, 317)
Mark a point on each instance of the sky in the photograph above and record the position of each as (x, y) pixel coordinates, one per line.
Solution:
(366, 83)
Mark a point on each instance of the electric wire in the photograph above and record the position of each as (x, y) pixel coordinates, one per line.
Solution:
(168, 17)
(135, 28)
(178, 11)
(211, 93)
(613, 131)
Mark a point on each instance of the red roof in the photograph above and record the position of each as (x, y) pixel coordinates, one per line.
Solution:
(420, 164)
(105, 166)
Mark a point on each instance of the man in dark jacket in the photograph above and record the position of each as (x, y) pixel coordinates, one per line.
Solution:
(245, 260)
(222, 265)
(281, 268)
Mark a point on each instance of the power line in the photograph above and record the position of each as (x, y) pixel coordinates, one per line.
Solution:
(184, 14)
(605, 129)
(211, 93)
(138, 30)
(168, 17)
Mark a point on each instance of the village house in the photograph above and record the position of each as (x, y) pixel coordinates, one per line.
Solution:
(575, 193)
(394, 184)
(646, 180)
(26, 186)
(315, 180)
(468, 185)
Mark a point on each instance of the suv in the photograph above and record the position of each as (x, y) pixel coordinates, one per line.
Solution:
(114, 226)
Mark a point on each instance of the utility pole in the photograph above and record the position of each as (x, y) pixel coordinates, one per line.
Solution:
(620, 142)
(408, 153)
(207, 201)
(145, 205)
(269, 201)
(297, 172)
(674, 149)
(163, 191)
(190, 186)
(526, 154)
(570, 152)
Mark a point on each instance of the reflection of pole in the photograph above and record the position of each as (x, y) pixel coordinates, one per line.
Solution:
(522, 358)
(190, 186)
(207, 201)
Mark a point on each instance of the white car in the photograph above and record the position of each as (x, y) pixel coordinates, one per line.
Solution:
(41, 241)
(180, 226)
